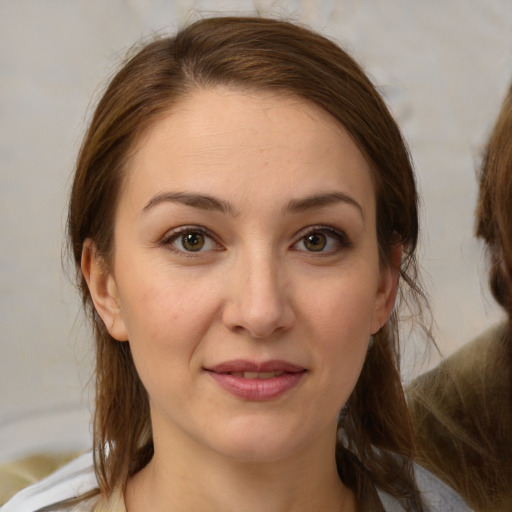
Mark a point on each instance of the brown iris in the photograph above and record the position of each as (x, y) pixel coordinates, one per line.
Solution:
(192, 241)
(315, 242)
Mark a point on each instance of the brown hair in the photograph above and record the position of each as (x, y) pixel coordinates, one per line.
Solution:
(494, 210)
(258, 54)
(461, 409)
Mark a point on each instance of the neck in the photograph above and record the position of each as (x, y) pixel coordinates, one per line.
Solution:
(179, 480)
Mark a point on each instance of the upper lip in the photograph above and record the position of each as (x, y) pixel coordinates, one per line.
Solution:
(241, 365)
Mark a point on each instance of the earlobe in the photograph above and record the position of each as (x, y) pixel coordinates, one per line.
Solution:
(388, 289)
(103, 290)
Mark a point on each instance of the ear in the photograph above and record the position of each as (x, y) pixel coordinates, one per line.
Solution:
(388, 288)
(103, 290)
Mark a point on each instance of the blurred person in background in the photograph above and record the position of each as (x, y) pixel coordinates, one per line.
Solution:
(462, 409)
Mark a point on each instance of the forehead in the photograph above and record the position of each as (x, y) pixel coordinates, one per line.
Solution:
(249, 140)
(212, 113)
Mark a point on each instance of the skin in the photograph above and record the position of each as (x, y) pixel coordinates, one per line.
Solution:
(255, 291)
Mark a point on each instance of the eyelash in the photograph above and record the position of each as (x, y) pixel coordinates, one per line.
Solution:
(170, 238)
(340, 237)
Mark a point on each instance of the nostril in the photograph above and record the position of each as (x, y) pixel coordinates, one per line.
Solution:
(258, 324)
(259, 305)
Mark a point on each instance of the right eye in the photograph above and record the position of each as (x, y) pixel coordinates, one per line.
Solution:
(191, 241)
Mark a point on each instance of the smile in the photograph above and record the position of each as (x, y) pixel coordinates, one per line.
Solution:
(257, 375)
(257, 382)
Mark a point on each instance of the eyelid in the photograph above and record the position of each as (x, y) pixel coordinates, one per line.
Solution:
(172, 235)
(339, 234)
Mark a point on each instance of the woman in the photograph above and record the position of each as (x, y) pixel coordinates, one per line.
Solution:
(464, 406)
(242, 209)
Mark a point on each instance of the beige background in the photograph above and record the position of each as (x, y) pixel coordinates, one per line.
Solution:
(442, 66)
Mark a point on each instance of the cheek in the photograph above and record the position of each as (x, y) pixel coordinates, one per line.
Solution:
(163, 301)
(166, 319)
(342, 310)
(342, 349)
(340, 325)
(165, 333)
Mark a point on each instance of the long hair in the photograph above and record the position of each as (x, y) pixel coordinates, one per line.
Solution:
(462, 409)
(494, 209)
(376, 440)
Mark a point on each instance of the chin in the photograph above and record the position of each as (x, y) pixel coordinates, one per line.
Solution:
(257, 452)
(260, 443)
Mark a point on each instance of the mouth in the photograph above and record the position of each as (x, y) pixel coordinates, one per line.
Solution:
(256, 375)
(251, 369)
(257, 381)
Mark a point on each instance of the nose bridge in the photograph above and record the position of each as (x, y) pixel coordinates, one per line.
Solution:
(259, 303)
(262, 279)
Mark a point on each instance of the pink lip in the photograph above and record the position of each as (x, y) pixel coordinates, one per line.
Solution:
(256, 389)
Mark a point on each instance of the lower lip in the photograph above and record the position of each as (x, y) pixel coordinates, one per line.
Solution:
(257, 389)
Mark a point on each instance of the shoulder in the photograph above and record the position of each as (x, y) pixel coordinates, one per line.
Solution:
(72, 480)
(462, 419)
(479, 354)
(438, 497)
(471, 380)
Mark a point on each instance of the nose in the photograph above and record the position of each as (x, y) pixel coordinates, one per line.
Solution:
(259, 302)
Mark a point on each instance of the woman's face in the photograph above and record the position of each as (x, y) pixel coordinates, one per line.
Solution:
(245, 273)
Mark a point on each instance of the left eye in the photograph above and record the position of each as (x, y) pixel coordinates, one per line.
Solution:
(321, 242)
(315, 242)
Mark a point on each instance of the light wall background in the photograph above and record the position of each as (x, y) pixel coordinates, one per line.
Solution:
(442, 66)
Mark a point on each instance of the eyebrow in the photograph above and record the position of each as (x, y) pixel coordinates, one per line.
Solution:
(211, 203)
(201, 201)
(321, 200)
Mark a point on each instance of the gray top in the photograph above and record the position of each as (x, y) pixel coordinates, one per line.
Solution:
(78, 477)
